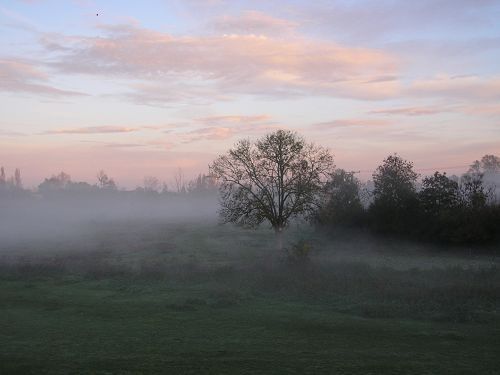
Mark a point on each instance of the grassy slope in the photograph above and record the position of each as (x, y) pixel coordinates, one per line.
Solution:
(225, 322)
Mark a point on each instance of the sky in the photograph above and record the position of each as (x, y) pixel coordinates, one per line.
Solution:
(143, 88)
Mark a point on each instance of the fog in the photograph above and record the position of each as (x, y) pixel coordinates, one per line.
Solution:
(110, 275)
(30, 217)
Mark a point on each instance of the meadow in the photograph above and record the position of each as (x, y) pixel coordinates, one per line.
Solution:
(192, 296)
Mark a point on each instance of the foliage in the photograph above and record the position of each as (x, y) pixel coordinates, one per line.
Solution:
(105, 182)
(394, 181)
(12, 186)
(488, 164)
(299, 252)
(342, 205)
(472, 191)
(439, 193)
(461, 211)
(395, 203)
(56, 182)
(152, 184)
(202, 185)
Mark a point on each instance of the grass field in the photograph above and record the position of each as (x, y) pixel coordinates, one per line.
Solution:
(191, 298)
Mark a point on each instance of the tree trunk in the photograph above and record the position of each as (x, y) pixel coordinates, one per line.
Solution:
(279, 238)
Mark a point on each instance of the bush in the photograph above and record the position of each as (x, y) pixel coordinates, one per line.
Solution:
(299, 253)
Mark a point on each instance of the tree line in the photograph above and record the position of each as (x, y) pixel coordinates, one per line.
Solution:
(439, 208)
(62, 184)
(281, 177)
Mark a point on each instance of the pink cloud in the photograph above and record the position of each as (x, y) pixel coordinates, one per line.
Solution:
(253, 22)
(93, 130)
(482, 109)
(123, 145)
(211, 133)
(364, 20)
(342, 123)
(236, 63)
(161, 144)
(411, 111)
(23, 76)
(475, 109)
(458, 87)
(235, 119)
(227, 126)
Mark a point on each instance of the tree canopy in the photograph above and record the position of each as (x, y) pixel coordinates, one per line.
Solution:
(278, 177)
(395, 198)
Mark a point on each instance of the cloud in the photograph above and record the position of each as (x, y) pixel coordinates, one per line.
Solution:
(227, 126)
(17, 20)
(253, 22)
(93, 130)
(411, 111)
(156, 127)
(211, 133)
(367, 20)
(457, 87)
(482, 109)
(152, 144)
(123, 145)
(161, 144)
(8, 133)
(164, 94)
(445, 51)
(235, 120)
(343, 123)
(22, 76)
(476, 109)
(231, 64)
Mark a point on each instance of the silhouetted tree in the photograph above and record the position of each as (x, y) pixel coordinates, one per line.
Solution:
(57, 182)
(104, 182)
(472, 191)
(164, 188)
(3, 181)
(152, 184)
(202, 184)
(18, 182)
(60, 185)
(440, 205)
(488, 164)
(438, 193)
(180, 184)
(394, 208)
(343, 204)
(278, 177)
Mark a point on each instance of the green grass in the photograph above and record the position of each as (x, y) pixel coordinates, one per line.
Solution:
(194, 299)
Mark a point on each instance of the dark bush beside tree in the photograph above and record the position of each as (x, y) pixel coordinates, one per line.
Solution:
(342, 207)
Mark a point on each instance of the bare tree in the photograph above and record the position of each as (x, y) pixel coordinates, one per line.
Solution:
(104, 182)
(164, 187)
(202, 184)
(488, 164)
(278, 177)
(56, 182)
(3, 180)
(18, 182)
(152, 183)
(180, 184)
